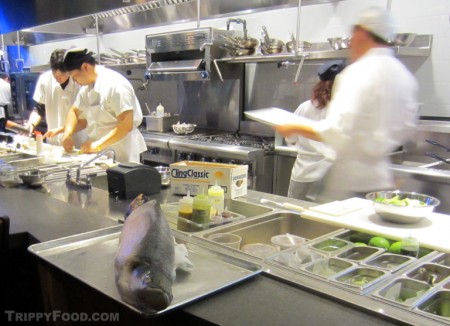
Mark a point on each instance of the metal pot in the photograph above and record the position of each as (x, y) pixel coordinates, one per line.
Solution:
(33, 178)
(246, 43)
(275, 46)
(302, 46)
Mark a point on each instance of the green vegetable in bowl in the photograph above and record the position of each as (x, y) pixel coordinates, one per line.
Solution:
(400, 202)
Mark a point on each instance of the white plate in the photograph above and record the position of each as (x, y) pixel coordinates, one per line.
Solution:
(276, 117)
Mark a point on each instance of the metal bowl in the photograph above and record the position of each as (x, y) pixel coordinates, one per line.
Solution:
(404, 214)
(339, 43)
(302, 46)
(164, 171)
(273, 47)
(403, 39)
(32, 178)
(183, 128)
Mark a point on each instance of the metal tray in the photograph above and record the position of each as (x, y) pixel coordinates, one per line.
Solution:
(89, 257)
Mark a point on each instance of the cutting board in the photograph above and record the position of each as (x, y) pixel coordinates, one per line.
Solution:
(432, 232)
(276, 117)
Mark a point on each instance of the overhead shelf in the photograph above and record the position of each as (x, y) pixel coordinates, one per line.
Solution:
(420, 47)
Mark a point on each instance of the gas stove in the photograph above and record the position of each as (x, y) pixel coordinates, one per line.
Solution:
(265, 143)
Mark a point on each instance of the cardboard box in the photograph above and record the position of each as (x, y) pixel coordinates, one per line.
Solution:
(198, 177)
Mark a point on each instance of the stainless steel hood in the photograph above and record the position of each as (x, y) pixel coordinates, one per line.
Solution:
(52, 20)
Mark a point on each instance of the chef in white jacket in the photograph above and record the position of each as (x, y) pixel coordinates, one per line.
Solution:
(106, 106)
(372, 111)
(54, 95)
(314, 158)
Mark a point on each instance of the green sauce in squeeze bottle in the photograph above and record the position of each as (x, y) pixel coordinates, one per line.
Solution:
(201, 209)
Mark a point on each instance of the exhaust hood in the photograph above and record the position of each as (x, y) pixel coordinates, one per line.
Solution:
(51, 20)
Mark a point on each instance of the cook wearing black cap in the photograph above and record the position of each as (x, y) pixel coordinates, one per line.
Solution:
(106, 107)
(314, 158)
(372, 112)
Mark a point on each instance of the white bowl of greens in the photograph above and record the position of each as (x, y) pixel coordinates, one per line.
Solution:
(401, 206)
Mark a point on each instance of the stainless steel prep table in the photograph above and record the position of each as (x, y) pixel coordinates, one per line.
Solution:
(258, 301)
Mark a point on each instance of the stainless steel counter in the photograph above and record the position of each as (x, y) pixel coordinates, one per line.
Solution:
(268, 298)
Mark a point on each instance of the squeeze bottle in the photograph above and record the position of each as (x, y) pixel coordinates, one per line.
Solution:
(39, 142)
(160, 110)
(201, 209)
(216, 195)
(185, 213)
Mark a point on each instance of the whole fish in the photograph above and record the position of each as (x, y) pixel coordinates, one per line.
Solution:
(144, 263)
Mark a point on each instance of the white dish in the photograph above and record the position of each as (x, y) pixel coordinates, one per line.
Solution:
(277, 117)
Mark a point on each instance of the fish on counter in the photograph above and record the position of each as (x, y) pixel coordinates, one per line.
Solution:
(145, 260)
(148, 257)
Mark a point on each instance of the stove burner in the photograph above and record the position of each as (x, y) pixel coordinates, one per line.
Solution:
(266, 143)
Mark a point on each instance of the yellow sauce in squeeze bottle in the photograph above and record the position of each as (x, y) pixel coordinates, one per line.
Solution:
(216, 196)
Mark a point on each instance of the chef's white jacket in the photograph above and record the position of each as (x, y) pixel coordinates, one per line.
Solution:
(373, 111)
(57, 103)
(5, 92)
(102, 102)
(313, 157)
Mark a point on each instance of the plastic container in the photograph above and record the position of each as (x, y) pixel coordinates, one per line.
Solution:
(39, 142)
(284, 241)
(8, 176)
(201, 208)
(259, 249)
(160, 110)
(185, 206)
(227, 239)
(216, 195)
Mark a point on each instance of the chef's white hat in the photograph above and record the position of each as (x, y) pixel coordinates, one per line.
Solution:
(377, 21)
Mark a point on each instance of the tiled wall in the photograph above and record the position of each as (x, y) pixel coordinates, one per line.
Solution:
(274, 86)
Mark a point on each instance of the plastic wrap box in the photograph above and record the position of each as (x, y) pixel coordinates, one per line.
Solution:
(197, 177)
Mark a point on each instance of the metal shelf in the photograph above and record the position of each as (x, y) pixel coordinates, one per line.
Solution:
(420, 47)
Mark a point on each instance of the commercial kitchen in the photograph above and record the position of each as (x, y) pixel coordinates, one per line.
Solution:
(57, 253)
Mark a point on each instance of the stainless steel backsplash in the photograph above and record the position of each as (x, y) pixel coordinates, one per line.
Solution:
(220, 105)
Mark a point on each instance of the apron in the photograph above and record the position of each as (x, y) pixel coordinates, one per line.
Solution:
(101, 122)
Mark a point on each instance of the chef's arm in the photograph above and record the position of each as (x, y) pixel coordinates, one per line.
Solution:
(36, 115)
(73, 122)
(302, 130)
(123, 127)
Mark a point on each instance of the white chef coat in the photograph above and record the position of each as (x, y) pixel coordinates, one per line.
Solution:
(100, 104)
(57, 103)
(373, 111)
(314, 158)
(5, 92)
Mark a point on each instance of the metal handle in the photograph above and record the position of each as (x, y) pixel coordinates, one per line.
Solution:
(238, 21)
(218, 70)
(436, 157)
(435, 143)
(299, 69)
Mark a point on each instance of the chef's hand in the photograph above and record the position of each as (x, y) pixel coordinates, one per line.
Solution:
(30, 128)
(68, 144)
(90, 147)
(53, 132)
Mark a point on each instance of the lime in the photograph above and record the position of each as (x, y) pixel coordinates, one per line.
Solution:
(396, 247)
(360, 244)
(379, 242)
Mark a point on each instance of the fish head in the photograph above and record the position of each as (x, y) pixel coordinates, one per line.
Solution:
(147, 289)
(140, 200)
